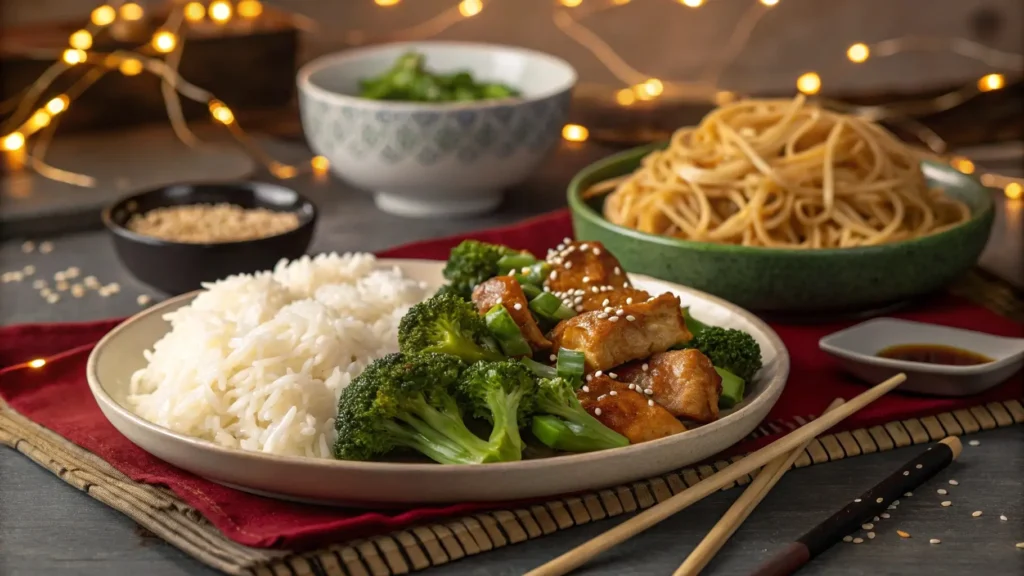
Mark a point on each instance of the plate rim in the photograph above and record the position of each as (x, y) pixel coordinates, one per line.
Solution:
(773, 390)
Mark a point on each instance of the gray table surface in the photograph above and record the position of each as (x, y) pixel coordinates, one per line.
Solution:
(46, 527)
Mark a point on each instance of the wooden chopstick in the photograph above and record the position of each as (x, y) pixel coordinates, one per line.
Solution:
(741, 508)
(581, 554)
(871, 503)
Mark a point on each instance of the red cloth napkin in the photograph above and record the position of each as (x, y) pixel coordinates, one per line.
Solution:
(57, 397)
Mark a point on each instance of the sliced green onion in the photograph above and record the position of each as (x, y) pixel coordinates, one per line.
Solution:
(570, 365)
(732, 388)
(534, 274)
(515, 262)
(505, 330)
(566, 436)
(531, 291)
(550, 307)
(540, 370)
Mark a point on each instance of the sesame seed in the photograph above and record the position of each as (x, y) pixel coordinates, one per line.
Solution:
(895, 502)
(114, 287)
(891, 507)
(590, 377)
(632, 386)
(879, 500)
(613, 318)
(630, 318)
(597, 411)
(552, 357)
(517, 306)
(547, 289)
(608, 310)
(53, 298)
(577, 300)
(619, 312)
(856, 499)
(976, 513)
(847, 538)
(618, 271)
(946, 504)
(645, 367)
(629, 300)
(605, 303)
(886, 515)
(974, 443)
(602, 315)
(919, 466)
(568, 265)
(906, 472)
(648, 391)
(650, 402)
(601, 397)
(28, 247)
(625, 284)
(597, 251)
(867, 526)
(598, 373)
(876, 518)
(908, 494)
(566, 240)
(942, 491)
(1002, 517)
(858, 540)
(870, 535)
(935, 541)
(584, 246)
(142, 300)
(613, 375)
(586, 279)
(595, 290)
(613, 393)
(560, 247)
(586, 389)
(903, 534)
(46, 247)
(77, 291)
(953, 483)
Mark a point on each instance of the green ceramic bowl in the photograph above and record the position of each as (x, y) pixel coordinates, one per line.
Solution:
(785, 281)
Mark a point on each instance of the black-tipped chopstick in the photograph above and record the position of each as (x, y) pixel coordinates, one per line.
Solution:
(862, 509)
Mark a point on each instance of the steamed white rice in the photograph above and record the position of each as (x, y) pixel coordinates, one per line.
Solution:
(258, 361)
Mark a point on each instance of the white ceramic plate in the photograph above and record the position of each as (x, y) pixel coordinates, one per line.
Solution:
(119, 354)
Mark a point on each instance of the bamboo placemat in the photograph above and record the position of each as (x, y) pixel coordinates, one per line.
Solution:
(165, 515)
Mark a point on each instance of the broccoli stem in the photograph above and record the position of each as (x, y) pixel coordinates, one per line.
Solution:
(455, 344)
(590, 430)
(505, 414)
(427, 442)
(732, 388)
(447, 428)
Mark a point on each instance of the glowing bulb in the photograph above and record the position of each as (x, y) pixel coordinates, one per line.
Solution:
(164, 41)
(809, 83)
(653, 87)
(692, 3)
(386, 2)
(219, 11)
(571, 3)
(283, 171)
(575, 133)
(769, 3)
(220, 112)
(38, 120)
(14, 141)
(620, 2)
(130, 67)
(320, 164)
(625, 97)
(990, 82)
(470, 8)
(103, 15)
(37, 363)
(642, 92)
(964, 165)
(194, 11)
(74, 56)
(1014, 191)
(249, 8)
(858, 53)
(57, 105)
(81, 40)
(131, 11)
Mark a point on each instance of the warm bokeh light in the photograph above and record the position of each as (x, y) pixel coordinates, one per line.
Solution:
(575, 133)
(858, 53)
(14, 141)
(769, 2)
(809, 83)
(37, 363)
(131, 11)
(620, 2)
(103, 15)
(73, 56)
(37, 121)
(570, 3)
(692, 3)
(990, 82)
(469, 8)
(130, 66)
(164, 41)
(320, 164)
(81, 40)
(219, 11)
(1014, 191)
(386, 2)
(221, 113)
(249, 9)
(57, 105)
(283, 171)
(653, 87)
(964, 165)
(194, 11)
(625, 97)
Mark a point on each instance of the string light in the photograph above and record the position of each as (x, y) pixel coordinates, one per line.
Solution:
(858, 53)
(103, 15)
(249, 9)
(571, 3)
(219, 11)
(653, 87)
(37, 363)
(39, 120)
(1014, 191)
(81, 40)
(620, 2)
(990, 82)
(58, 104)
(164, 41)
(575, 133)
(625, 97)
(194, 11)
(283, 171)
(769, 3)
(470, 8)
(221, 113)
(320, 164)
(73, 56)
(14, 141)
(131, 11)
(808, 83)
(963, 165)
(386, 2)
(129, 66)
(692, 3)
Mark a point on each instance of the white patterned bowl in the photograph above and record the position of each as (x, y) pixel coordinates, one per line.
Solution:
(435, 159)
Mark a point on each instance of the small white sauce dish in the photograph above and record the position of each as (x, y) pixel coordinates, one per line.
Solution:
(857, 349)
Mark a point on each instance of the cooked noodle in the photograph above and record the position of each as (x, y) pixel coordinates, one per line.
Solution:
(784, 174)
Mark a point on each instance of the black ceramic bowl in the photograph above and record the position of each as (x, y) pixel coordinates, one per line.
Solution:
(179, 267)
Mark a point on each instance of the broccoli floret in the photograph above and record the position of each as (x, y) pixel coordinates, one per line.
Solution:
(581, 431)
(501, 393)
(472, 262)
(446, 324)
(449, 289)
(730, 349)
(403, 401)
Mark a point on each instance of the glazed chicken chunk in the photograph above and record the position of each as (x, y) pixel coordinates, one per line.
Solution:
(627, 411)
(582, 269)
(683, 381)
(630, 332)
(506, 290)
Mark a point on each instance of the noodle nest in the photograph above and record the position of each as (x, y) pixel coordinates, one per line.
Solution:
(783, 174)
